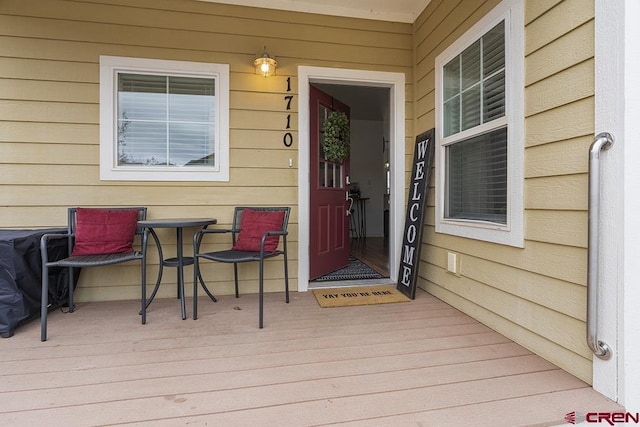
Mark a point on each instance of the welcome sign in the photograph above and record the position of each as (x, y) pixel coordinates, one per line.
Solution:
(418, 190)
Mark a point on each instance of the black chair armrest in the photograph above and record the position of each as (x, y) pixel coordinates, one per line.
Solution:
(216, 230)
(270, 233)
(276, 233)
(198, 235)
(45, 239)
(49, 236)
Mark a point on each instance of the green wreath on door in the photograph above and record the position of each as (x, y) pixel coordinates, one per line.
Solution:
(337, 139)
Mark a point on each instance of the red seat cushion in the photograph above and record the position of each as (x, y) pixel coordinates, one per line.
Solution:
(253, 225)
(104, 231)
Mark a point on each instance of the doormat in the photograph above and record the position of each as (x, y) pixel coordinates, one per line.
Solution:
(361, 295)
(355, 270)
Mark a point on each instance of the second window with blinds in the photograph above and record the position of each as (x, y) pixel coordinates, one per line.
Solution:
(479, 113)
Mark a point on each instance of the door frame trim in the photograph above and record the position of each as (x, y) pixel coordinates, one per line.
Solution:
(396, 83)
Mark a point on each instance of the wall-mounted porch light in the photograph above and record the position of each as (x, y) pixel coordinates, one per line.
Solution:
(265, 65)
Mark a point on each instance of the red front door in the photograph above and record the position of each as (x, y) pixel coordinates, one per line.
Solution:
(329, 207)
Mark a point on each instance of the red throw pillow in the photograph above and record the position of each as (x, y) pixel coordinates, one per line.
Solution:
(104, 231)
(253, 225)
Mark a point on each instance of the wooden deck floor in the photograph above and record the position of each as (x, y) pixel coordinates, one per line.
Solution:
(416, 363)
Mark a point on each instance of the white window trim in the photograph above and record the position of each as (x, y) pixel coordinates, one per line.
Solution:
(512, 234)
(109, 171)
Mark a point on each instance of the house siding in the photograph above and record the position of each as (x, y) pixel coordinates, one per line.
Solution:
(535, 295)
(49, 113)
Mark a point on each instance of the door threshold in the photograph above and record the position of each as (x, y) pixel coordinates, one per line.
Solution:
(350, 283)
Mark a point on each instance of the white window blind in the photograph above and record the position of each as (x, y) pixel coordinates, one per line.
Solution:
(166, 120)
(477, 178)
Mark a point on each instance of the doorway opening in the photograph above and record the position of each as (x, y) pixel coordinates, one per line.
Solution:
(367, 184)
(376, 101)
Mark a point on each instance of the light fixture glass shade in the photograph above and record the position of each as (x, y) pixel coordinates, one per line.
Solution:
(265, 65)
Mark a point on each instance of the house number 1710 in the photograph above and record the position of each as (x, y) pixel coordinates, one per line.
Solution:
(287, 139)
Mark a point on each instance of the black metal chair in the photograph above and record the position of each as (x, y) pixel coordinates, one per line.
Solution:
(264, 247)
(88, 260)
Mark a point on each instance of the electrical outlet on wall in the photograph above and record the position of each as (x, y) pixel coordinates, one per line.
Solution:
(452, 262)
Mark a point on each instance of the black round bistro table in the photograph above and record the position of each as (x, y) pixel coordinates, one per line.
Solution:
(179, 261)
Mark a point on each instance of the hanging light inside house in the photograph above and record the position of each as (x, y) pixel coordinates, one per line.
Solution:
(265, 65)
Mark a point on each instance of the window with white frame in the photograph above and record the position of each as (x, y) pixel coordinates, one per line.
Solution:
(163, 120)
(480, 130)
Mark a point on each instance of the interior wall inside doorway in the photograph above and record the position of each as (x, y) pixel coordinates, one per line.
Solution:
(369, 147)
(367, 170)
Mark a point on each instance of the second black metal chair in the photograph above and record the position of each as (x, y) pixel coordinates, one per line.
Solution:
(255, 236)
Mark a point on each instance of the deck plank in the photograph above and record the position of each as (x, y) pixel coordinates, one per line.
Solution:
(391, 364)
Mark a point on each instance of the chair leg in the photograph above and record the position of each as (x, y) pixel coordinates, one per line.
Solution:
(44, 302)
(260, 294)
(160, 265)
(235, 278)
(143, 301)
(72, 306)
(206, 290)
(143, 284)
(196, 273)
(286, 278)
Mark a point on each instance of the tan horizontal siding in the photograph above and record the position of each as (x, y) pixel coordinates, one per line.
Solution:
(556, 22)
(262, 101)
(48, 70)
(563, 157)
(49, 112)
(128, 288)
(27, 153)
(535, 9)
(254, 158)
(534, 295)
(554, 325)
(562, 228)
(265, 139)
(48, 91)
(548, 259)
(517, 287)
(55, 133)
(35, 174)
(223, 19)
(578, 83)
(81, 154)
(570, 121)
(154, 196)
(265, 120)
(226, 47)
(557, 192)
(557, 354)
(545, 293)
(570, 49)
